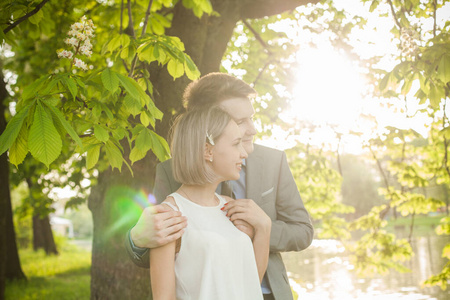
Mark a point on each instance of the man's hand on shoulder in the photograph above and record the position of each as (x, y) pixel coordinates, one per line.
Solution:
(242, 225)
(158, 226)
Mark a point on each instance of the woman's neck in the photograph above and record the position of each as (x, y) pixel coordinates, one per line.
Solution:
(200, 194)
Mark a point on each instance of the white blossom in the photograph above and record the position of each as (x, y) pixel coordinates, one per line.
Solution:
(79, 39)
(80, 64)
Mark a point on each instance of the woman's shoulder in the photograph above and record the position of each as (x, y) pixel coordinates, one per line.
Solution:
(170, 201)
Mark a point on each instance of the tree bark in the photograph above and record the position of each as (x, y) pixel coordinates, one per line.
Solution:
(42, 231)
(114, 201)
(43, 235)
(10, 268)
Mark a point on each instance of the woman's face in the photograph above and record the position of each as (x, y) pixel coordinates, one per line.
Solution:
(228, 153)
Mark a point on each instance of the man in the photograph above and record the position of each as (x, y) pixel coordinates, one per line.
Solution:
(265, 180)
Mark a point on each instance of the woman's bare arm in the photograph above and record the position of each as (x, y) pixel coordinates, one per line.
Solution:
(162, 268)
(162, 272)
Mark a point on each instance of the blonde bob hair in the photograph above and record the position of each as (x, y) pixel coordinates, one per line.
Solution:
(190, 133)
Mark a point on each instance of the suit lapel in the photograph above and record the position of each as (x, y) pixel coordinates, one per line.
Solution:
(254, 176)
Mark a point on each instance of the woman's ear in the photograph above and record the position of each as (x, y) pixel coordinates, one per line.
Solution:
(208, 155)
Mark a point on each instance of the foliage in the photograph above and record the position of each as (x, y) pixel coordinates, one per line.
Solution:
(100, 110)
(423, 59)
(320, 186)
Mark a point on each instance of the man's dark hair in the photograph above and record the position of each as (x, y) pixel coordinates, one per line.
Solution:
(213, 88)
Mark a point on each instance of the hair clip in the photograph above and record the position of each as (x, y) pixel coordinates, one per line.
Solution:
(209, 138)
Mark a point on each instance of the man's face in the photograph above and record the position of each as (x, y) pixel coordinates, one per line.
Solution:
(241, 110)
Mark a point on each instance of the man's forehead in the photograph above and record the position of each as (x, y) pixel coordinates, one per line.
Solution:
(238, 108)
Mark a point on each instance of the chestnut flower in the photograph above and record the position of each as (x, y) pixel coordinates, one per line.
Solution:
(79, 38)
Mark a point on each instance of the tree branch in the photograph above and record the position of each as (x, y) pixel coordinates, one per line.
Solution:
(121, 16)
(26, 16)
(260, 73)
(147, 15)
(258, 37)
(256, 9)
(434, 17)
(394, 15)
(338, 154)
(130, 27)
(386, 182)
(446, 143)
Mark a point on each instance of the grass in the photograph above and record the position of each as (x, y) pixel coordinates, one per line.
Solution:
(65, 276)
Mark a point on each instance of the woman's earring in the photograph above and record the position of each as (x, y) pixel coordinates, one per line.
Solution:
(211, 159)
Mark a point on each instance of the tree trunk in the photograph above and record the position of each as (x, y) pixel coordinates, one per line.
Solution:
(10, 268)
(115, 201)
(43, 235)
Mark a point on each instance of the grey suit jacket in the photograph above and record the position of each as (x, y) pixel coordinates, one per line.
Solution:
(270, 184)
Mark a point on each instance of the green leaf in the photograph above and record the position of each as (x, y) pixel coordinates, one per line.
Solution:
(12, 129)
(124, 40)
(36, 18)
(191, 69)
(162, 19)
(443, 71)
(142, 144)
(145, 120)
(71, 86)
(51, 85)
(435, 95)
(132, 105)
(124, 53)
(406, 86)
(114, 43)
(119, 133)
(129, 86)
(386, 81)
(206, 6)
(160, 147)
(19, 148)
(157, 28)
(101, 133)
(31, 90)
(110, 80)
(43, 140)
(113, 155)
(108, 112)
(60, 117)
(92, 156)
(145, 52)
(175, 68)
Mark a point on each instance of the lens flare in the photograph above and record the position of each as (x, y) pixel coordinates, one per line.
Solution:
(124, 206)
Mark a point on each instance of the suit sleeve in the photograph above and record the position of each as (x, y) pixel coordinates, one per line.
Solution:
(162, 187)
(292, 230)
(141, 257)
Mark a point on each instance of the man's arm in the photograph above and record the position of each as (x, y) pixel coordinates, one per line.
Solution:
(157, 225)
(292, 230)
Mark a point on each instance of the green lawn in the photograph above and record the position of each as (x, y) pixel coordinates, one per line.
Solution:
(66, 276)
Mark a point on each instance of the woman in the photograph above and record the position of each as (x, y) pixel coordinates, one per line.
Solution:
(213, 259)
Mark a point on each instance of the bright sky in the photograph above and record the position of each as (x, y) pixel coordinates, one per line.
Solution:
(330, 88)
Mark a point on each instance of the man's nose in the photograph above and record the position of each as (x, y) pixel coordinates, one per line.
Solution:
(243, 153)
(251, 130)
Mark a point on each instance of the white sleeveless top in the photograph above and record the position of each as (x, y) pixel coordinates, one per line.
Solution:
(216, 260)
